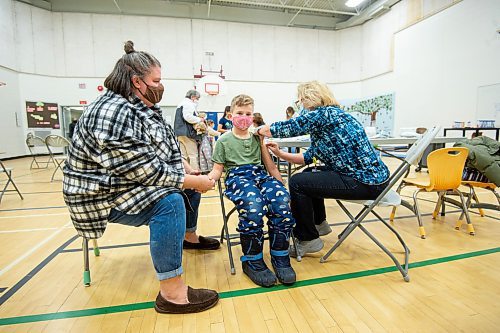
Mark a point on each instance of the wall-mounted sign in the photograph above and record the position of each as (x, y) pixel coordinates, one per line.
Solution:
(83, 102)
(82, 86)
(42, 115)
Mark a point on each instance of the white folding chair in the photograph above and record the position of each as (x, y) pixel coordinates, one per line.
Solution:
(388, 197)
(38, 148)
(57, 141)
(8, 173)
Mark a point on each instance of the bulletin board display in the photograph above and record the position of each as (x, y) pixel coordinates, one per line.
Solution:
(42, 115)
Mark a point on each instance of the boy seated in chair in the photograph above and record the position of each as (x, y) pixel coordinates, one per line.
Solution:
(255, 194)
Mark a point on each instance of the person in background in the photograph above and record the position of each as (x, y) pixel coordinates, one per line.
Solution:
(352, 169)
(290, 113)
(210, 127)
(256, 122)
(256, 193)
(206, 147)
(225, 123)
(71, 128)
(186, 117)
(125, 166)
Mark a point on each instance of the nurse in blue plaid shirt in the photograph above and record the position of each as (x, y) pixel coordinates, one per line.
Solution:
(125, 166)
(351, 169)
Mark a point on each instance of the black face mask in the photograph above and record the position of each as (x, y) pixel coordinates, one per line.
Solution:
(153, 94)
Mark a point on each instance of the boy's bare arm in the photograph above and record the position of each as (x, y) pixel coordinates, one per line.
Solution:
(268, 161)
(216, 172)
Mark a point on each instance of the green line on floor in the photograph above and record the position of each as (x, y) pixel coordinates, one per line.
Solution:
(238, 293)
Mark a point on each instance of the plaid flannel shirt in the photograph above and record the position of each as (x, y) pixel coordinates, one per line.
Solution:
(339, 141)
(123, 156)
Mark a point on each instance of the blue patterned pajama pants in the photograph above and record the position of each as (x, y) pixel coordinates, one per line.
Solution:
(256, 194)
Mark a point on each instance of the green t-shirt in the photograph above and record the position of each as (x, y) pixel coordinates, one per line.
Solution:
(232, 151)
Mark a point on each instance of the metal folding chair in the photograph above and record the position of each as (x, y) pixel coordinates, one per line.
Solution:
(35, 144)
(225, 229)
(8, 173)
(388, 197)
(86, 261)
(57, 141)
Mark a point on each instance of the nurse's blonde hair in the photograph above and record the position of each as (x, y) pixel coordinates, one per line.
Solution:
(315, 94)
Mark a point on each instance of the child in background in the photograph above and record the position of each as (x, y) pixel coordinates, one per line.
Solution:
(210, 129)
(255, 194)
(225, 123)
(257, 121)
(206, 146)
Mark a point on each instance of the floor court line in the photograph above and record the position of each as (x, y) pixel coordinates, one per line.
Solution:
(31, 208)
(118, 246)
(33, 249)
(62, 249)
(242, 292)
(29, 193)
(59, 207)
(34, 215)
(32, 230)
(34, 271)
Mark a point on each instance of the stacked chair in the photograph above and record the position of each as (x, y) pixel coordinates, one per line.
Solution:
(57, 141)
(38, 148)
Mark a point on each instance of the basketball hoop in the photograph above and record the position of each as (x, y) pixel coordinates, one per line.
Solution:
(212, 89)
(210, 83)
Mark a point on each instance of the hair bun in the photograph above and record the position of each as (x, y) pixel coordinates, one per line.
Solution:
(129, 47)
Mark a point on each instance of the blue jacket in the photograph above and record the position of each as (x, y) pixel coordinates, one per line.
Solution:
(339, 141)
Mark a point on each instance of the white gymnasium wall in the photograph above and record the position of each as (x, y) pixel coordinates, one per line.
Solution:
(426, 65)
(11, 136)
(7, 35)
(441, 61)
(87, 45)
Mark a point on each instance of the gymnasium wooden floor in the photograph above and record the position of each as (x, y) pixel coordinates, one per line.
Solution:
(455, 277)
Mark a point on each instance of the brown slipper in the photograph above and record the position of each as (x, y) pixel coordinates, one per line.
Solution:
(205, 243)
(199, 300)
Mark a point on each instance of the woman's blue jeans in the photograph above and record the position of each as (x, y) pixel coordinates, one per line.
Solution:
(167, 225)
(192, 216)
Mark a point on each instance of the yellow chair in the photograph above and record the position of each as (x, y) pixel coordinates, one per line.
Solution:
(445, 176)
(472, 195)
